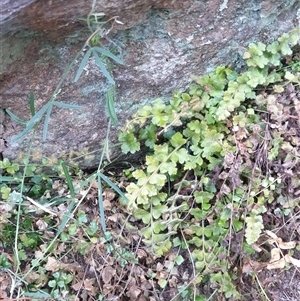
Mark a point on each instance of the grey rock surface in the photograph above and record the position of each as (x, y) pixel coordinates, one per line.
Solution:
(162, 43)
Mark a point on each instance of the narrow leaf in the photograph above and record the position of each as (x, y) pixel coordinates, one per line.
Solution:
(100, 201)
(86, 182)
(31, 123)
(108, 54)
(15, 118)
(66, 105)
(112, 185)
(103, 68)
(111, 107)
(40, 294)
(31, 103)
(40, 113)
(23, 133)
(68, 178)
(46, 123)
(82, 64)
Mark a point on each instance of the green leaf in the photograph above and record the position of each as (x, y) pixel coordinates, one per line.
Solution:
(111, 106)
(162, 282)
(142, 214)
(158, 226)
(203, 197)
(149, 135)
(15, 118)
(273, 47)
(158, 179)
(179, 259)
(31, 103)
(102, 67)
(180, 156)
(254, 225)
(66, 105)
(168, 167)
(162, 248)
(52, 283)
(129, 143)
(112, 185)
(68, 178)
(177, 140)
(291, 77)
(247, 55)
(294, 36)
(158, 210)
(285, 49)
(108, 54)
(46, 123)
(257, 49)
(31, 123)
(82, 64)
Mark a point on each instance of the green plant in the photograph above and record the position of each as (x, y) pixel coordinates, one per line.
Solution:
(100, 55)
(201, 174)
(59, 285)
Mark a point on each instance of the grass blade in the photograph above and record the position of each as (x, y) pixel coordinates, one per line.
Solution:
(108, 54)
(66, 105)
(100, 201)
(112, 185)
(86, 182)
(46, 123)
(15, 118)
(37, 295)
(103, 68)
(67, 216)
(68, 178)
(31, 103)
(39, 114)
(31, 123)
(111, 106)
(82, 64)
(22, 134)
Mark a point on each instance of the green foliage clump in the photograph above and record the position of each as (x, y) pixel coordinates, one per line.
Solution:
(208, 171)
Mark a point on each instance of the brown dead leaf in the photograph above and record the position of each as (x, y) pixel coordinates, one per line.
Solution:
(77, 286)
(286, 245)
(271, 234)
(251, 266)
(94, 184)
(107, 288)
(53, 264)
(109, 194)
(280, 264)
(173, 281)
(294, 261)
(107, 274)
(133, 292)
(278, 241)
(107, 204)
(275, 255)
(188, 231)
(42, 225)
(89, 286)
(141, 253)
(114, 217)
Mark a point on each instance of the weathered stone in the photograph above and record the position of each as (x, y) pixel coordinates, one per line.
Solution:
(170, 42)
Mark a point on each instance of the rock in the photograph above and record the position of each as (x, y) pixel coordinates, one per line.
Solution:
(162, 44)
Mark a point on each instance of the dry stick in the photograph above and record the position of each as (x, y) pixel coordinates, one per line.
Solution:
(139, 242)
(85, 271)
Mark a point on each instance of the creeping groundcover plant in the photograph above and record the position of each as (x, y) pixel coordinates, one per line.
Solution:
(213, 200)
(217, 157)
